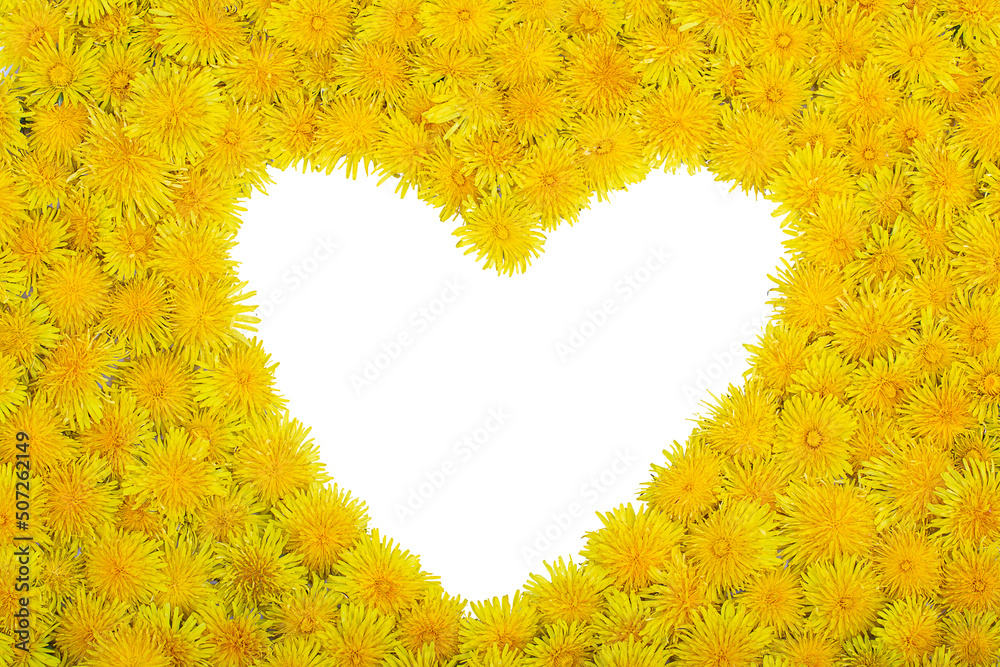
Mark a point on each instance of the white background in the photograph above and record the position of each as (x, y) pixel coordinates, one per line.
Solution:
(580, 429)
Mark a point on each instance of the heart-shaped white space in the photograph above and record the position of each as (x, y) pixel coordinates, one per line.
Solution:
(484, 419)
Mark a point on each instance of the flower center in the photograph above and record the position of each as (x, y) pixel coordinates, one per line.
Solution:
(905, 565)
(602, 147)
(814, 439)
(991, 384)
(916, 52)
(783, 41)
(60, 75)
(589, 20)
(869, 154)
(318, 22)
(404, 19)
(911, 133)
(501, 232)
(722, 548)
(463, 15)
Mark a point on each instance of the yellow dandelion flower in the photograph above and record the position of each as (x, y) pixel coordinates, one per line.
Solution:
(774, 89)
(88, 217)
(910, 628)
(907, 563)
(873, 438)
(236, 636)
(447, 64)
(561, 644)
(673, 596)
(730, 636)
(733, 544)
(138, 313)
(775, 597)
(349, 128)
(60, 70)
(117, 68)
(450, 185)
(432, 624)
(817, 126)
(276, 459)
(688, 486)
(59, 129)
(977, 242)
(845, 37)
(184, 251)
(974, 637)
(917, 121)
(884, 194)
(75, 375)
(227, 518)
(824, 521)
(843, 597)
(611, 152)
(983, 373)
(905, 479)
(163, 384)
(201, 32)
(749, 151)
(200, 196)
(632, 545)
(474, 108)
(977, 445)
(676, 124)
(76, 291)
(779, 353)
(375, 70)
(600, 18)
(493, 157)
(571, 593)
(968, 499)
(140, 518)
(122, 168)
(761, 480)
(306, 611)
(317, 26)
(239, 149)
(779, 34)
(972, 577)
(43, 181)
(28, 25)
(402, 150)
(871, 147)
(943, 180)
(174, 111)
(666, 54)
(208, 314)
(173, 474)
(600, 75)
(741, 425)
(724, 24)
(128, 645)
(120, 432)
(510, 622)
(876, 321)
(864, 95)
(392, 20)
(259, 71)
(60, 572)
(220, 429)
(321, 524)
(290, 128)
(78, 500)
(255, 570)
(299, 652)
(826, 374)
(939, 411)
(470, 24)
(552, 180)
(546, 12)
(935, 289)
(807, 647)
(813, 181)
(625, 617)
(125, 566)
(45, 426)
(975, 318)
(362, 636)
(503, 230)
(88, 616)
(242, 379)
(524, 53)
(916, 45)
(380, 575)
(182, 639)
(880, 385)
(975, 20)
(536, 109)
(814, 436)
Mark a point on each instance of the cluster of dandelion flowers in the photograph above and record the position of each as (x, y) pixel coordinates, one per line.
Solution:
(842, 507)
